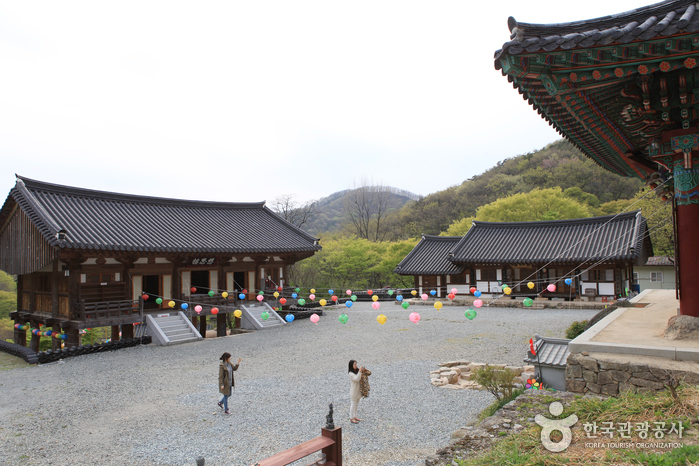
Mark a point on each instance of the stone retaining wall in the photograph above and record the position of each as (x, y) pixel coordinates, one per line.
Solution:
(598, 374)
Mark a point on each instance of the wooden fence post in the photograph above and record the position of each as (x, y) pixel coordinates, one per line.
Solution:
(333, 452)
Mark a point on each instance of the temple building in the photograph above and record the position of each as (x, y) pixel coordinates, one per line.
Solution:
(624, 89)
(86, 258)
(588, 258)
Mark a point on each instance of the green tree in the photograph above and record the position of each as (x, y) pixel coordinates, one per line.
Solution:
(539, 204)
(459, 227)
(8, 303)
(7, 282)
(658, 215)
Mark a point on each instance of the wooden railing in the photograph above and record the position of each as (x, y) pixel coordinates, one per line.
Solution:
(109, 312)
(329, 442)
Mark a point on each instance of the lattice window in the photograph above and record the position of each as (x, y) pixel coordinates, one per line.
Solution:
(656, 277)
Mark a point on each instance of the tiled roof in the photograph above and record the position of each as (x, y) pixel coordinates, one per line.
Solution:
(430, 257)
(549, 352)
(644, 23)
(660, 260)
(612, 237)
(121, 222)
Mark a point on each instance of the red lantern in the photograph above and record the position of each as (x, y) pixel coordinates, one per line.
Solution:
(214, 310)
(334, 298)
(280, 289)
(452, 296)
(282, 301)
(370, 292)
(245, 291)
(473, 289)
(145, 297)
(193, 289)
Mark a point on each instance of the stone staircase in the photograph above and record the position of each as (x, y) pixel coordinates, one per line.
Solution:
(252, 317)
(171, 329)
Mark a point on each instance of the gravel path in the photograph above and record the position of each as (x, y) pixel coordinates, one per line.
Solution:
(153, 405)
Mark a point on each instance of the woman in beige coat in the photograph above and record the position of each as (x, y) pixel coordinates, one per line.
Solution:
(226, 379)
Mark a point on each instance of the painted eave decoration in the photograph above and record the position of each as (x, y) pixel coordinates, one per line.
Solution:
(612, 85)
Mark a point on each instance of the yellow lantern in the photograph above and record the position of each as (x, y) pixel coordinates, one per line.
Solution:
(374, 298)
(171, 304)
(530, 285)
(237, 313)
(224, 294)
(323, 302)
(507, 290)
(381, 319)
(313, 290)
(413, 292)
(276, 294)
(438, 305)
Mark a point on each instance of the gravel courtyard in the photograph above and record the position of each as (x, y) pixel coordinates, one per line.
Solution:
(153, 405)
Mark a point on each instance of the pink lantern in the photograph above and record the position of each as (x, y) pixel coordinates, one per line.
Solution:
(348, 292)
(375, 305)
(478, 303)
(311, 296)
(551, 287)
(260, 297)
(424, 296)
(415, 317)
(315, 319)
(454, 291)
(198, 309)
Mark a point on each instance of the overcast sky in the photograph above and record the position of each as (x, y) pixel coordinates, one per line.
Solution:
(248, 100)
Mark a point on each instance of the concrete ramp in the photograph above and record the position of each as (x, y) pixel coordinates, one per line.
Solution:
(252, 317)
(171, 328)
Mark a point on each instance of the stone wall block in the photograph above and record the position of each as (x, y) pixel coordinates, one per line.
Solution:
(573, 371)
(620, 376)
(594, 388)
(645, 375)
(576, 386)
(613, 366)
(638, 367)
(648, 384)
(589, 364)
(625, 387)
(605, 377)
(611, 389)
(590, 376)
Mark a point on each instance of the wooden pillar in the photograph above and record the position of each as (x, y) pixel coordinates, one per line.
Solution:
(20, 336)
(34, 342)
(115, 333)
(126, 331)
(202, 326)
(221, 325)
(333, 453)
(687, 252)
(195, 321)
(73, 337)
(55, 342)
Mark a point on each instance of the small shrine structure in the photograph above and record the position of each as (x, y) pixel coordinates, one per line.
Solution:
(596, 255)
(86, 258)
(624, 89)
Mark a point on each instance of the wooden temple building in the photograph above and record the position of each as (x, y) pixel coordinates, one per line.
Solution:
(624, 89)
(86, 258)
(597, 254)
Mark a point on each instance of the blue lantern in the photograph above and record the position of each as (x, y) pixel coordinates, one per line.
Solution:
(433, 292)
(399, 297)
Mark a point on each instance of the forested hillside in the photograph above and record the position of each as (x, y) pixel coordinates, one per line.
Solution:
(559, 164)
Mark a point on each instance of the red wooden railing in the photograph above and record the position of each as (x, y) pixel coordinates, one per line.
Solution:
(329, 442)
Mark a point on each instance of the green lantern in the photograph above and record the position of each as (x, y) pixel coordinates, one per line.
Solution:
(353, 297)
(390, 292)
(405, 305)
(211, 293)
(470, 314)
(343, 318)
(159, 300)
(261, 293)
(297, 289)
(528, 302)
(302, 302)
(265, 315)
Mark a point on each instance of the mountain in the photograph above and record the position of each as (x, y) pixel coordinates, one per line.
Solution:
(331, 212)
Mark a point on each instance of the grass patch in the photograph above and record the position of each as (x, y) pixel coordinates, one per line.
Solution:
(7, 362)
(497, 404)
(525, 448)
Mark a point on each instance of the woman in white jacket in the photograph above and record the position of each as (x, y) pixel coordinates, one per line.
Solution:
(355, 376)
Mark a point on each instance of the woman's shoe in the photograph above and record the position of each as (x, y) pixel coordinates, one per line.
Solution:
(220, 405)
(226, 412)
